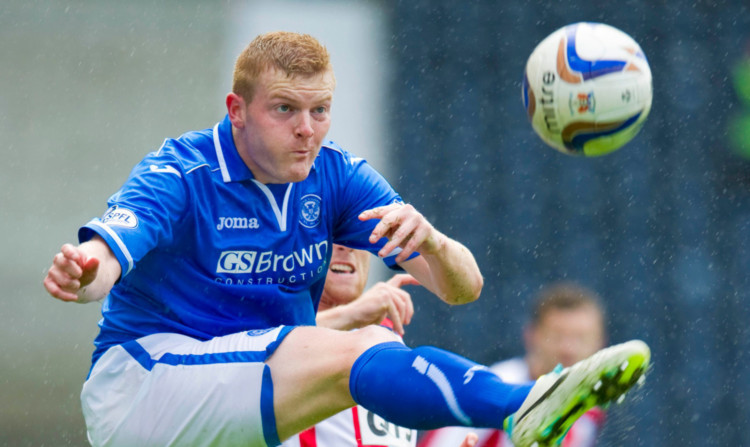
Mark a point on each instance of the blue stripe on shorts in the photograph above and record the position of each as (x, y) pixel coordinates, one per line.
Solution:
(144, 358)
(267, 415)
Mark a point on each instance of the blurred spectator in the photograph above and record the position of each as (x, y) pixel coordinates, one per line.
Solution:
(566, 325)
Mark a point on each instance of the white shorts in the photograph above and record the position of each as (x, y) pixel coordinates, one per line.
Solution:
(170, 389)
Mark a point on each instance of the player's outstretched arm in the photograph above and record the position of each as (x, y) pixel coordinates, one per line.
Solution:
(384, 299)
(446, 268)
(84, 273)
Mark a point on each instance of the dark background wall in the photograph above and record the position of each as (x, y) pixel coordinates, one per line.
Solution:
(659, 228)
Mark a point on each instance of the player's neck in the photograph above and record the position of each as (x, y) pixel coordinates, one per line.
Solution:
(244, 153)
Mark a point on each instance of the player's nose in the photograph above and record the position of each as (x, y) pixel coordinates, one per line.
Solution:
(304, 127)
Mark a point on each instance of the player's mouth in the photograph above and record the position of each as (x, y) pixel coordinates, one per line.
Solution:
(342, 268)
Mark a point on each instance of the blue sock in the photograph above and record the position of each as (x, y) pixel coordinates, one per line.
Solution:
(427, 388)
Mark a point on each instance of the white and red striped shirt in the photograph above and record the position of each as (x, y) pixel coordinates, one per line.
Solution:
(355, 427)
(582, 434)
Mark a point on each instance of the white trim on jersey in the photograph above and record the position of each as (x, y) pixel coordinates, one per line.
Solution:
(332, 146)
(120, 244)
(220, 156)
(280, 214)
(164, 143)
(199, 166)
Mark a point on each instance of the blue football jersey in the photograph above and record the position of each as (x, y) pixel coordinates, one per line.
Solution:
(206, 250)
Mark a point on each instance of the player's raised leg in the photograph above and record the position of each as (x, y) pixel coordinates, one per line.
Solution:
(318, 372)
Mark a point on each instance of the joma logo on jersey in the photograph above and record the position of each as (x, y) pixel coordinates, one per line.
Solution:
(237, 223)
(268, 261)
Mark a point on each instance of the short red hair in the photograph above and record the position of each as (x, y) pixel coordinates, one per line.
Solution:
(293, 53)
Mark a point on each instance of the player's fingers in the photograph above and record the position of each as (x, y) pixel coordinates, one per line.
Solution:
(375, 213)
(90, 264)
(419, 234)
(71, 252)
(403, 279)
(391, 218)
(379, 212)
(63, 280)
(90, 268)
(387, 225)
(395, 318)
(402, 302)
(405, 305)
(54, 290)
(400, 237)
(398, 302)
(67, 265)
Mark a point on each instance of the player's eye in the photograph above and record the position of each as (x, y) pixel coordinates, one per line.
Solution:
(283, 108)
(320, 109)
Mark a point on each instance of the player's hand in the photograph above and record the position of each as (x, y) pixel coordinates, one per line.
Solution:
(71, 271)
(404, 227)
(386, 299)
(470, 440)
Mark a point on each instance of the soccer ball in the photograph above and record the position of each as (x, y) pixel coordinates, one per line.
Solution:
(587, 89)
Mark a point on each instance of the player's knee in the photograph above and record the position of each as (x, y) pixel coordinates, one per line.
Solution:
(373, 335)
(367, 337)
(349, 346)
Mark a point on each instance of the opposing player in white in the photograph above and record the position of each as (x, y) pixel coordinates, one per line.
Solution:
(345, 305)
(207, 333)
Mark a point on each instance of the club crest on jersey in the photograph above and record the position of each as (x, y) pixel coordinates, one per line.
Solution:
(310, 211)
(120, 217)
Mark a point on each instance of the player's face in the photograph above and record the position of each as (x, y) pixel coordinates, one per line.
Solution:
(565, 336)
(347, 276)
(285, 124)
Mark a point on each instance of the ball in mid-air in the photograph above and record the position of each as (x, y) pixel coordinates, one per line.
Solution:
(587, 89)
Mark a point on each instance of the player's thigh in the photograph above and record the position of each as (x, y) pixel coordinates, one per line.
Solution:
(168, 389)
(310, 371)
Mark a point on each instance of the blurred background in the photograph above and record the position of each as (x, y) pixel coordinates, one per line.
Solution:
(429, 92)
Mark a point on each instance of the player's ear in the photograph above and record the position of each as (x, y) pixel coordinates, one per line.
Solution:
(236, 109)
